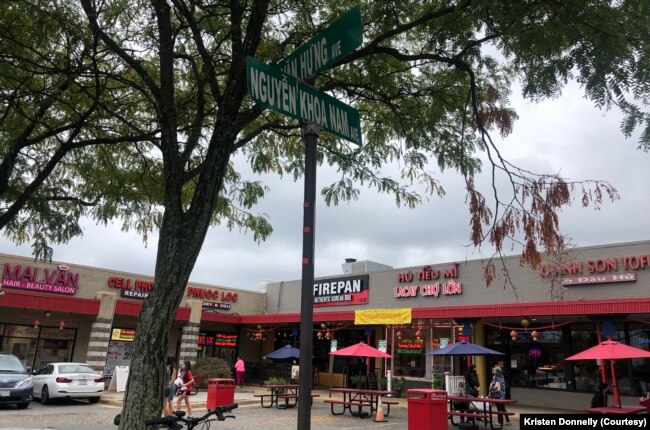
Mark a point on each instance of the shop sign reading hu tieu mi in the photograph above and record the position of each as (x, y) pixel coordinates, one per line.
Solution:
(451, 286)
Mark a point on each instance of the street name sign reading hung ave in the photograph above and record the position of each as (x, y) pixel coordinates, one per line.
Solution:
(272, 88)
(326, 48)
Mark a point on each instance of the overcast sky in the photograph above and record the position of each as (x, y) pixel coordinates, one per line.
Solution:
(567, 135)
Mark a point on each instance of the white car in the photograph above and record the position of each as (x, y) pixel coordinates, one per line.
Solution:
(67, 380)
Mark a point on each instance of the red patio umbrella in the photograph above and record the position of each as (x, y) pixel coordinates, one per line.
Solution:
(361, 350)
(611, 350)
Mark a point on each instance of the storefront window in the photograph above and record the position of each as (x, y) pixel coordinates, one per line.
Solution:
(540, 363)
(633, 376)
(537, 363)
(528, 362)
(586, 373)
(54, 345)
(37, 346)
(217, 344)
(20, 341)
(410, 359)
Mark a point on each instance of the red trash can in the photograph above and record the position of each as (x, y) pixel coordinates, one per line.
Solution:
(427, 409)
(221, 392)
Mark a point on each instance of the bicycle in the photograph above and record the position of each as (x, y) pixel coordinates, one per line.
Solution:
(178, 420)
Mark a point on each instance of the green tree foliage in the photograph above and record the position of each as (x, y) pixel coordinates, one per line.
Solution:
(58, 107)
(132, 110)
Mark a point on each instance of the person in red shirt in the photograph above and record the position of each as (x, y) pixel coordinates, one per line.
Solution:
(240, 371)
(186, 387)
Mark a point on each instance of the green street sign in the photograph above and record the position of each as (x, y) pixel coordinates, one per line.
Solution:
(326, 48)
(271, 88)
(334, 116)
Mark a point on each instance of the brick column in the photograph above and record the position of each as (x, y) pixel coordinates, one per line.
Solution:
(100, 332)
(190, 334)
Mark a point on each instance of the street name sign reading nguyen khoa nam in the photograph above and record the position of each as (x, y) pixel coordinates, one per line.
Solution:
(326, 48)
(273, 89)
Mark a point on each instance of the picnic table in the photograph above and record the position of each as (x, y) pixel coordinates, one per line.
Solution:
(479, 409)
(288, 393)
(356, 399)
(285, 392)
(616, 410)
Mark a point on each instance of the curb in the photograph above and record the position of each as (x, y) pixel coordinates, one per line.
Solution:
(195, 405)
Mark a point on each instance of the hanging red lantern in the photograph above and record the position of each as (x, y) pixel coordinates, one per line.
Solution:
(399, 334)
(61, 325)
(513, 335)
(36, 323)
(418, 334)
(534, 335)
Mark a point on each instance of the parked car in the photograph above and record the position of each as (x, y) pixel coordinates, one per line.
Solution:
(15, 384)
(67, 380)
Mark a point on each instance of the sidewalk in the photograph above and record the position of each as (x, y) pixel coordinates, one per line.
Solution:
(244, 396)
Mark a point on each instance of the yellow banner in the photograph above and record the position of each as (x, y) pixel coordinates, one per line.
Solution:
(383, 316)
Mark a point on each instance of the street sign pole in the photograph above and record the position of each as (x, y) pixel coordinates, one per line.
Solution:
(288, 89)
(311, 132)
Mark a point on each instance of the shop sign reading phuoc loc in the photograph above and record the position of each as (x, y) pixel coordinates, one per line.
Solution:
(352, 290)
(59, 280)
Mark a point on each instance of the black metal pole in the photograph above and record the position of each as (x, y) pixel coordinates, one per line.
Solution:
(310, 133)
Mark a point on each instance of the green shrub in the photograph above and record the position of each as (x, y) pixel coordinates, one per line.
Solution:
(396, 384)
(358, 381)
(437, 383)
(274, 380)
(399, 385)
(210, 367)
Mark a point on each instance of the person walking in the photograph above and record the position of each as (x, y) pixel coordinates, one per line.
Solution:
(471, 381)
(188, 381)
(170, 388)
(497, 390)
(240, 371)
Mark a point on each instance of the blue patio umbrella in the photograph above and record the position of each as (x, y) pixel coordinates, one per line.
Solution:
(464, 348)
(285, 352)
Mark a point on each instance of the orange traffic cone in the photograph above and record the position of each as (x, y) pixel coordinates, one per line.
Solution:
(379, 416)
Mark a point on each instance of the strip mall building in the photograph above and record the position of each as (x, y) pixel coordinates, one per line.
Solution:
(61, 311)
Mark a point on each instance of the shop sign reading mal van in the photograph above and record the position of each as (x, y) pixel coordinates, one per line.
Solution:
(59, 280)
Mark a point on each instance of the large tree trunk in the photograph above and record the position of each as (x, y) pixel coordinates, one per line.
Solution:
(181, 237)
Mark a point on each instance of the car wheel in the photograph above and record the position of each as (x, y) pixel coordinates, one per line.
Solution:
(45, 395)
(22, 405)
(93, 400)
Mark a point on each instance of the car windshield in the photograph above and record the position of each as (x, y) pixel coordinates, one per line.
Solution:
(75, 368)
(10, 364)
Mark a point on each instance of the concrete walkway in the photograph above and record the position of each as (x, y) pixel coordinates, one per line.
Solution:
(245, 396)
